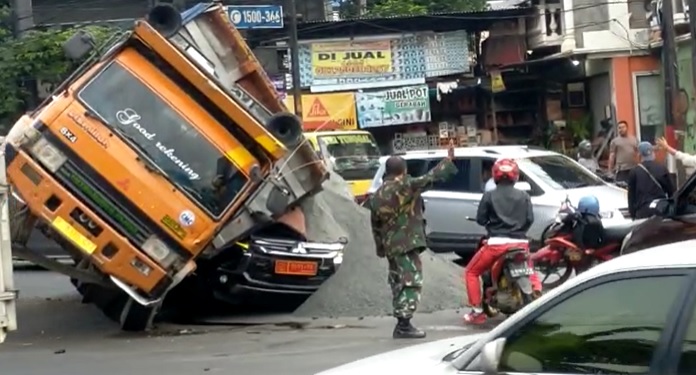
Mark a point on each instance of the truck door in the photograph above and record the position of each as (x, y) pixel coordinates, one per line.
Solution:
(8, 314)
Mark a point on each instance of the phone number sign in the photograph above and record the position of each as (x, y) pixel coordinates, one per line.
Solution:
(256, 16)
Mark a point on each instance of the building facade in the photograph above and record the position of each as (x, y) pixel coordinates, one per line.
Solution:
(611, 42)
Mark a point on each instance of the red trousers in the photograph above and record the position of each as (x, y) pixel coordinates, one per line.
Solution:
(483, 261)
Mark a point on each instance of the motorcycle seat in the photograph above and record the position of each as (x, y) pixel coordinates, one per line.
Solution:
(616, 233)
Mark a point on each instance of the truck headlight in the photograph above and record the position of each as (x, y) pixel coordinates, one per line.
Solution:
(48, 155)
(159, 252)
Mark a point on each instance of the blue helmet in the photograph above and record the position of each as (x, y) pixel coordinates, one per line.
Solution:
(589, 204)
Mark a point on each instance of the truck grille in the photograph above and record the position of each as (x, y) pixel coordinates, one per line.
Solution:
(108, 209)
(125, 217)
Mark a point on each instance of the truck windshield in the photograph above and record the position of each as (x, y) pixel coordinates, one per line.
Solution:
(159, 133)
(354, 156)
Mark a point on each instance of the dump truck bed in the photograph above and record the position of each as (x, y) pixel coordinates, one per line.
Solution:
(233, 63)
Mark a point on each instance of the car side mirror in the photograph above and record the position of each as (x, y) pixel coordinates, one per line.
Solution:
(490, 356)
(663, 206)
(524, 186)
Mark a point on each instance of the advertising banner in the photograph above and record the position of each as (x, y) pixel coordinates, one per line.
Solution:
(326, 111)
(404, 105)
(346, 59)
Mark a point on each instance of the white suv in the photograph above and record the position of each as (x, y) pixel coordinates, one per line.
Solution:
(547, 176)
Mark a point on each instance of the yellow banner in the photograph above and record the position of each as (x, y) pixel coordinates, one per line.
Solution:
(334, 60)
(334, 111)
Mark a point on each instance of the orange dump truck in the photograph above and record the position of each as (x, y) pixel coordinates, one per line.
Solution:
(154, 153)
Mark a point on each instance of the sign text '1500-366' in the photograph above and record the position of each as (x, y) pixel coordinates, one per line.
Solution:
(256, 16)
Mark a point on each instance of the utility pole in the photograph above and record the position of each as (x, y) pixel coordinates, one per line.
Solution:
(669, 62)
(295, 58)
(23, 21)
(22, 16)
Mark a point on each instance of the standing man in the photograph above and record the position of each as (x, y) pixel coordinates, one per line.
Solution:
(648, 181)
(623, 153)
(399, 232)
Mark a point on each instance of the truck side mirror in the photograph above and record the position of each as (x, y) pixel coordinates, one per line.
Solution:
(79, 45)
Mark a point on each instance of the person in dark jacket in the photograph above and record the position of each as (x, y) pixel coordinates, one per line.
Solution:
(507, 214)
(647, 181)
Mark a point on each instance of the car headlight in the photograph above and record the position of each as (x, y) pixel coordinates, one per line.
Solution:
(48, 155)
(159, 252)
(338, 260)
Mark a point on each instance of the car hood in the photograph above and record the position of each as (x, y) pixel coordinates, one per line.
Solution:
(417, 359)
(610, 197)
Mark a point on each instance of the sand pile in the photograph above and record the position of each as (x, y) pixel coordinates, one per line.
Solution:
(360, 288)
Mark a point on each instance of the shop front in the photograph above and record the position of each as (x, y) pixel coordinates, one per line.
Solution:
(385, 81)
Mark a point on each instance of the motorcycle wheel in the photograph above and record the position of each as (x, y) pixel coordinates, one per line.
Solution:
(490, 311)
(565, 266)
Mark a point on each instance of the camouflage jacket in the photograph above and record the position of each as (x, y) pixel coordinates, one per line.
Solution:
(397, 211)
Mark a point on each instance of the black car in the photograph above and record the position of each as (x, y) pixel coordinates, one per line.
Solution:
(675, 221)
(279, 266)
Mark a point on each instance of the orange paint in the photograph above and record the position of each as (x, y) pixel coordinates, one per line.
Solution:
(622, 70)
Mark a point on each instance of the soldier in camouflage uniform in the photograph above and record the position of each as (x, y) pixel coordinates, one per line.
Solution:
(399, 233)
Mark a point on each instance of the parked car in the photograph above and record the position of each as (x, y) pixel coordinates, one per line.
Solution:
(632, 315)
(675, 221)
(549, 178)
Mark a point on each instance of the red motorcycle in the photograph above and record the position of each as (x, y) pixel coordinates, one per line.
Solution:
(563, 255)
(507, 286)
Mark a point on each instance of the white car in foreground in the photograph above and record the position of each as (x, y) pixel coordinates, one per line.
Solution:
(632, 315)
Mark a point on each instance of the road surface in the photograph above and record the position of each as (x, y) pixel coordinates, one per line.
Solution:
(59, 335)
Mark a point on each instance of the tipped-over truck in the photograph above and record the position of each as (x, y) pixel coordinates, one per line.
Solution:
(166, 147)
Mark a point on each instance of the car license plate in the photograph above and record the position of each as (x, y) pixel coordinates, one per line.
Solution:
(521, 270)
(288, 267)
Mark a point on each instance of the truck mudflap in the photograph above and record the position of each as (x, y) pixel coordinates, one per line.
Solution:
(8, 294)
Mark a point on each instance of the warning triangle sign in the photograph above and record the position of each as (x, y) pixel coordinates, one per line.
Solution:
(317, 109)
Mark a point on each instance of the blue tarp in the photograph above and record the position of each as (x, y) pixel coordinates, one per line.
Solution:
(193, 12)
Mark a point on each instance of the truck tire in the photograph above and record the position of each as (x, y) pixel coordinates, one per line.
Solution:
(137, 318)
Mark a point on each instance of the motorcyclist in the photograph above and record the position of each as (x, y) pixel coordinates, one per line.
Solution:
(585, 157)
(588, 231)
(507, 214)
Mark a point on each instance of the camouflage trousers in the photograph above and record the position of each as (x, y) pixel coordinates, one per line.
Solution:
(406, 282)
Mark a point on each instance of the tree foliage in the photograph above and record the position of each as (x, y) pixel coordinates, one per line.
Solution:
(385, 8)
(36, 55)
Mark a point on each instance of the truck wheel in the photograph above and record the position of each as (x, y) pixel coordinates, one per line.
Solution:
(136, 317)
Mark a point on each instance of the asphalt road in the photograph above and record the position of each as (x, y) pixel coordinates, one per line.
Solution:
(59, 335)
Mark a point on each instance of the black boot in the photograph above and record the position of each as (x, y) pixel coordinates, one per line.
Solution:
(404, 330)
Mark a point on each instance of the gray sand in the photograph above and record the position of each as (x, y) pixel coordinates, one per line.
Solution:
(360, 288)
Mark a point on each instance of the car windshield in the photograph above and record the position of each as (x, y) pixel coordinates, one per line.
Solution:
(559, 172)
(159, 133)
(354, 156)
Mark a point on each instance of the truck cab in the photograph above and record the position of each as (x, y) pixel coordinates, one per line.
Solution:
(352, 154)
(144, 159)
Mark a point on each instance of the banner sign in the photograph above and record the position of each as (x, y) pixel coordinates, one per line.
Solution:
(404, 105)
(334, 111)
(345, 59)
(346, 139)
(394, 61)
